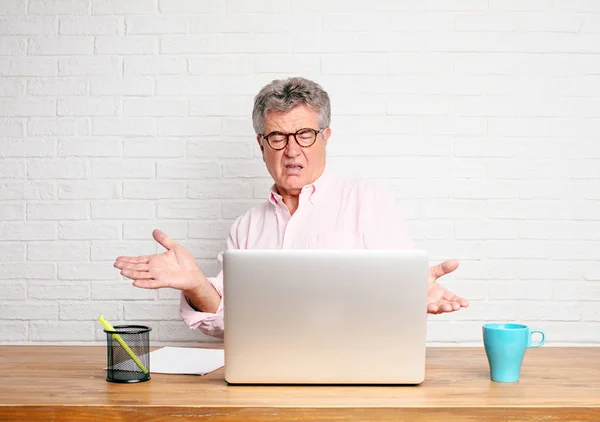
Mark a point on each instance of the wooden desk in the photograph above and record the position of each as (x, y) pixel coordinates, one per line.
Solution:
(68, 383)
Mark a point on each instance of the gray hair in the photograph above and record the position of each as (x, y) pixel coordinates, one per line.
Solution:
(282, 95)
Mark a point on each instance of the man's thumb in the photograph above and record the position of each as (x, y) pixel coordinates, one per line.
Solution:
(163, 239)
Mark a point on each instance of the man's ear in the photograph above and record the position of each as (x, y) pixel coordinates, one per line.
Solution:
(326, 135)
(260, 144)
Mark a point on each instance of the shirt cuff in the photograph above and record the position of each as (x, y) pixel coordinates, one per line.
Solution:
(209, 323)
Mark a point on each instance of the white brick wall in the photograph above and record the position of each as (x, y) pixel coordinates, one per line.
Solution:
(117, 117)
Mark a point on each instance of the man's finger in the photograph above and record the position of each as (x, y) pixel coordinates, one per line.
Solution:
(133, 259)
(130, 266)
(148, 284)
(163, 239)
(135, 275)
(444, 268)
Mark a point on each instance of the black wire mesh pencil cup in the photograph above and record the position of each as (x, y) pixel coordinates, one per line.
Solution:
(128, 353)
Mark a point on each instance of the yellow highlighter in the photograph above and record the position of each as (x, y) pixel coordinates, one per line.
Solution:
(109, 327)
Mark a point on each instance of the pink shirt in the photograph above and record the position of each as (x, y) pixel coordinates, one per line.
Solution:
(333, 213)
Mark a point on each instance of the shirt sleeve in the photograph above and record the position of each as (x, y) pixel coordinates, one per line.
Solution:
(385, 228)
(209, 323)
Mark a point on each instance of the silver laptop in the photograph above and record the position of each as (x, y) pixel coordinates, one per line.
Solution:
(325, 316)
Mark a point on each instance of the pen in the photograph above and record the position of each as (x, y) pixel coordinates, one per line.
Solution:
(109, 327)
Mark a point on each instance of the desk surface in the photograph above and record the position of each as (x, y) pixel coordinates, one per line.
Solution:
(68, 383)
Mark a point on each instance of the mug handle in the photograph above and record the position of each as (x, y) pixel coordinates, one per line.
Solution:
(538, 344)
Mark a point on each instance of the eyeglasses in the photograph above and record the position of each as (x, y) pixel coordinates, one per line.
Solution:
(304, 137)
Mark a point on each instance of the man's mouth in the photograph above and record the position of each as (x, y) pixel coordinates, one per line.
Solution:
(293, 168)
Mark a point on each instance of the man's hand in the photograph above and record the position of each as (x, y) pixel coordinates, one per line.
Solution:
(175, 268)
(440, 300)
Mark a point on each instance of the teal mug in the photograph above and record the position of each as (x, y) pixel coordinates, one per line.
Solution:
(505, 346)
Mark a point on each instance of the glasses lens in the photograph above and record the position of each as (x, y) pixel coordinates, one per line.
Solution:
(276, 140)
(306, 136)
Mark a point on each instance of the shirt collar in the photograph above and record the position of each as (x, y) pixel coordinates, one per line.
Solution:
(314, 189)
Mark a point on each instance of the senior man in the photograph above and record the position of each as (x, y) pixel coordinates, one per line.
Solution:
(307, 207)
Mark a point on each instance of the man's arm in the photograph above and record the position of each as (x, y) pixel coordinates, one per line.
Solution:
(204, 297)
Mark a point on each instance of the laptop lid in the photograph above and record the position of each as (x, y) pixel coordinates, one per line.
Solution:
(325, 316)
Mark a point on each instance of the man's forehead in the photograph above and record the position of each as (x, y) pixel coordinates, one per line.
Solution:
(296, 118)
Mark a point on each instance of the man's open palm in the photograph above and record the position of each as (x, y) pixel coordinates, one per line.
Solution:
(440, 300)
(175, 268)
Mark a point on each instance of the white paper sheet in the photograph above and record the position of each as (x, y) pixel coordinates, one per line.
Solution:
(186, 360)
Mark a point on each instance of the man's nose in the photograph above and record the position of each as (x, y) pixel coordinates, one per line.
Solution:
(292, 149)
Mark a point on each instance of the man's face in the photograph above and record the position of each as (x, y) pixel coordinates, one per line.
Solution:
(294, 167)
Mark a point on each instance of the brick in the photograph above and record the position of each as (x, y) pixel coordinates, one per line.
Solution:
(119, 210)
(216, 148)
(13, 211)
(223, 65)
(29, 147)
(572, 290)
(28, 66)
(154, 190)
(192, 44)
(188, 169)
(130, 44)
(56, 290)
(87, 106)
(57, 126)
(239, 168)
(25, 271)
(12, 127)
(199, 126)
(89, 310)
(152, 147)
(27, 190)
(524, 290)
(53, 331)
(151, 65)
(106, 250)
(157, 25)
(90, 66)
(490, 147)
(60, 45)
(88, 189)
(117, 7)
(13, 290)
(13, 7)
(446, 331)
(478, 189)
(221, 106)
(12, 169)
(183, 86)
(574, 250)
(185, 6)
(87, 271)
(244, 84)
(155, 107)
(13, 46)
(28, 107)
(419, 64)
(203, 23)
(152, 311)
(28, 311)
(126, 86)
(28, 26)
(58, 211)
(430, 229)
(88, 230)
(288, 63)
(58, 251)
(485, 230)
(142, 230)
(544, 311)
(515, 5)
(57, 86)
(122, 168)
(189, 209)
(590, 312)
(455, 209)
(210, 229)
(220, 189)
(13, 331)
(89, 25)
(419, 105)
(114, 290)
(57, 168)
(118, 126)
(91, 147)
(559, 230)
(27, 231)
(62, 7)
(516, 249)
(237, 127)
(12, 87)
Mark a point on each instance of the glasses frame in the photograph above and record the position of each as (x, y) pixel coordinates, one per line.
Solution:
(287, 137)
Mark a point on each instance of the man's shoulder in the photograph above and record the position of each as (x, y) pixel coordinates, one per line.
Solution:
(362, 186)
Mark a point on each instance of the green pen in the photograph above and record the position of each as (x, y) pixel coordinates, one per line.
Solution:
(108, 327)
